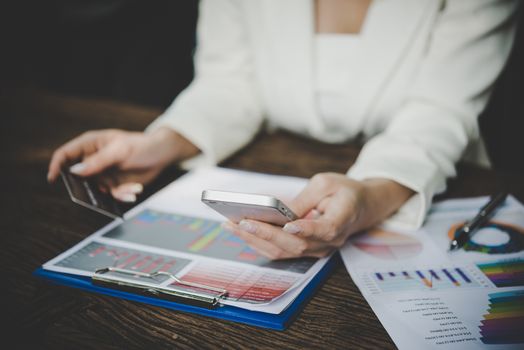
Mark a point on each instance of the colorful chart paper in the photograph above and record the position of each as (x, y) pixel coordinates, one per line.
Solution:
(196, 236)
(505, 273)
(464, 299)
(247, 285)
(96, 256)
(504, 322)
(424, 279)
(514, 243)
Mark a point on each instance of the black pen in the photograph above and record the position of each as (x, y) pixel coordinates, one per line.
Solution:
(464, 233)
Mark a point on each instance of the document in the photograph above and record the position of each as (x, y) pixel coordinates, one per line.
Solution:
(429, 298)
(174, 232)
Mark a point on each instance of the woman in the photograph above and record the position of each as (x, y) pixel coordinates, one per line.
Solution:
(408, 76)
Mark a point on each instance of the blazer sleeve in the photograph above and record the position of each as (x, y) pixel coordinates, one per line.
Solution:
(429, 133)
(219, 112)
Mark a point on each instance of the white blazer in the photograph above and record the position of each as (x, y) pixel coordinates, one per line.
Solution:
(426, 69)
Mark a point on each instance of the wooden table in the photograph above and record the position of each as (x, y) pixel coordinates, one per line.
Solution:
(39, 221)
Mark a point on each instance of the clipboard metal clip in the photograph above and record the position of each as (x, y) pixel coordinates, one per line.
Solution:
(201, 295)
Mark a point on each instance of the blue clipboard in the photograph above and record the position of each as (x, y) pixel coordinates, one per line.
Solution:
(255, 318)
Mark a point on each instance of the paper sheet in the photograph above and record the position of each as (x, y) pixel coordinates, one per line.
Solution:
(174, 231)
(427, 298)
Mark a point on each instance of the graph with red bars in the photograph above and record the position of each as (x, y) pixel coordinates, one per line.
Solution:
(97, 255)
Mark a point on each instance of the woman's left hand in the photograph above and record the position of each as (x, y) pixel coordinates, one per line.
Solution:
(331, 207)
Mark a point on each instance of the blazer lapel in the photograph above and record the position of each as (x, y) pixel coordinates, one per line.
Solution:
(384, 46)
(289, 30)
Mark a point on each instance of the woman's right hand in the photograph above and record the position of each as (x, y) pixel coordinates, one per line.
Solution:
(123, 161)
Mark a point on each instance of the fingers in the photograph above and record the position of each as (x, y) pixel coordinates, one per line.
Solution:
(322, 205)
(273, 243)
(97, 162)
(125, 185)
(120, 188)
(334, 224)
(312, 214)
(127, 192)
(79, 147)
(342, 207)
(320, 229)
(264, 248)
(329, 207)
(319, 187)
(273, 234)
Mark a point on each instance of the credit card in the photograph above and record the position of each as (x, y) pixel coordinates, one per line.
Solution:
(85, 191)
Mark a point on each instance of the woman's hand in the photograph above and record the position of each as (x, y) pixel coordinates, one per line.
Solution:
(122, 160)
(332, 207)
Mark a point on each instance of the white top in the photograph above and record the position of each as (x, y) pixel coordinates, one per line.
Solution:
(423, 72)
(334, 64)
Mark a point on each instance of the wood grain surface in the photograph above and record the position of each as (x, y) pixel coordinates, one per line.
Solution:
(39, 221)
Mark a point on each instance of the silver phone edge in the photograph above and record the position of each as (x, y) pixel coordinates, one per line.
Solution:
(240, 198)
(209, 196)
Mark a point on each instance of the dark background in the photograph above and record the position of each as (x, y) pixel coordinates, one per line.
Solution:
(141, 52)
(502, 123)
(128, 50)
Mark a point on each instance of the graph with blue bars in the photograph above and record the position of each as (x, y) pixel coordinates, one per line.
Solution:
(425, 279)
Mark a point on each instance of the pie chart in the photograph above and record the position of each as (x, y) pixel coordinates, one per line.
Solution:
(493, 237)
(387, 245)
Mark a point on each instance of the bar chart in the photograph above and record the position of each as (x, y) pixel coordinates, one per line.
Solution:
(243, 284)
(503, 324)
(424, 279)
(504, 273)
(195, 235)
(246, 285)
(96, 256)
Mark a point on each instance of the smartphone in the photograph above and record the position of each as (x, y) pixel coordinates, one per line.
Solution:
(84, 191)
(237, 206)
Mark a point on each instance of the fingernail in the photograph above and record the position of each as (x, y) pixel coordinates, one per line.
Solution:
(77, 168)
(128, 198)
(247, 226)
(291, 228)
(136, 188)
